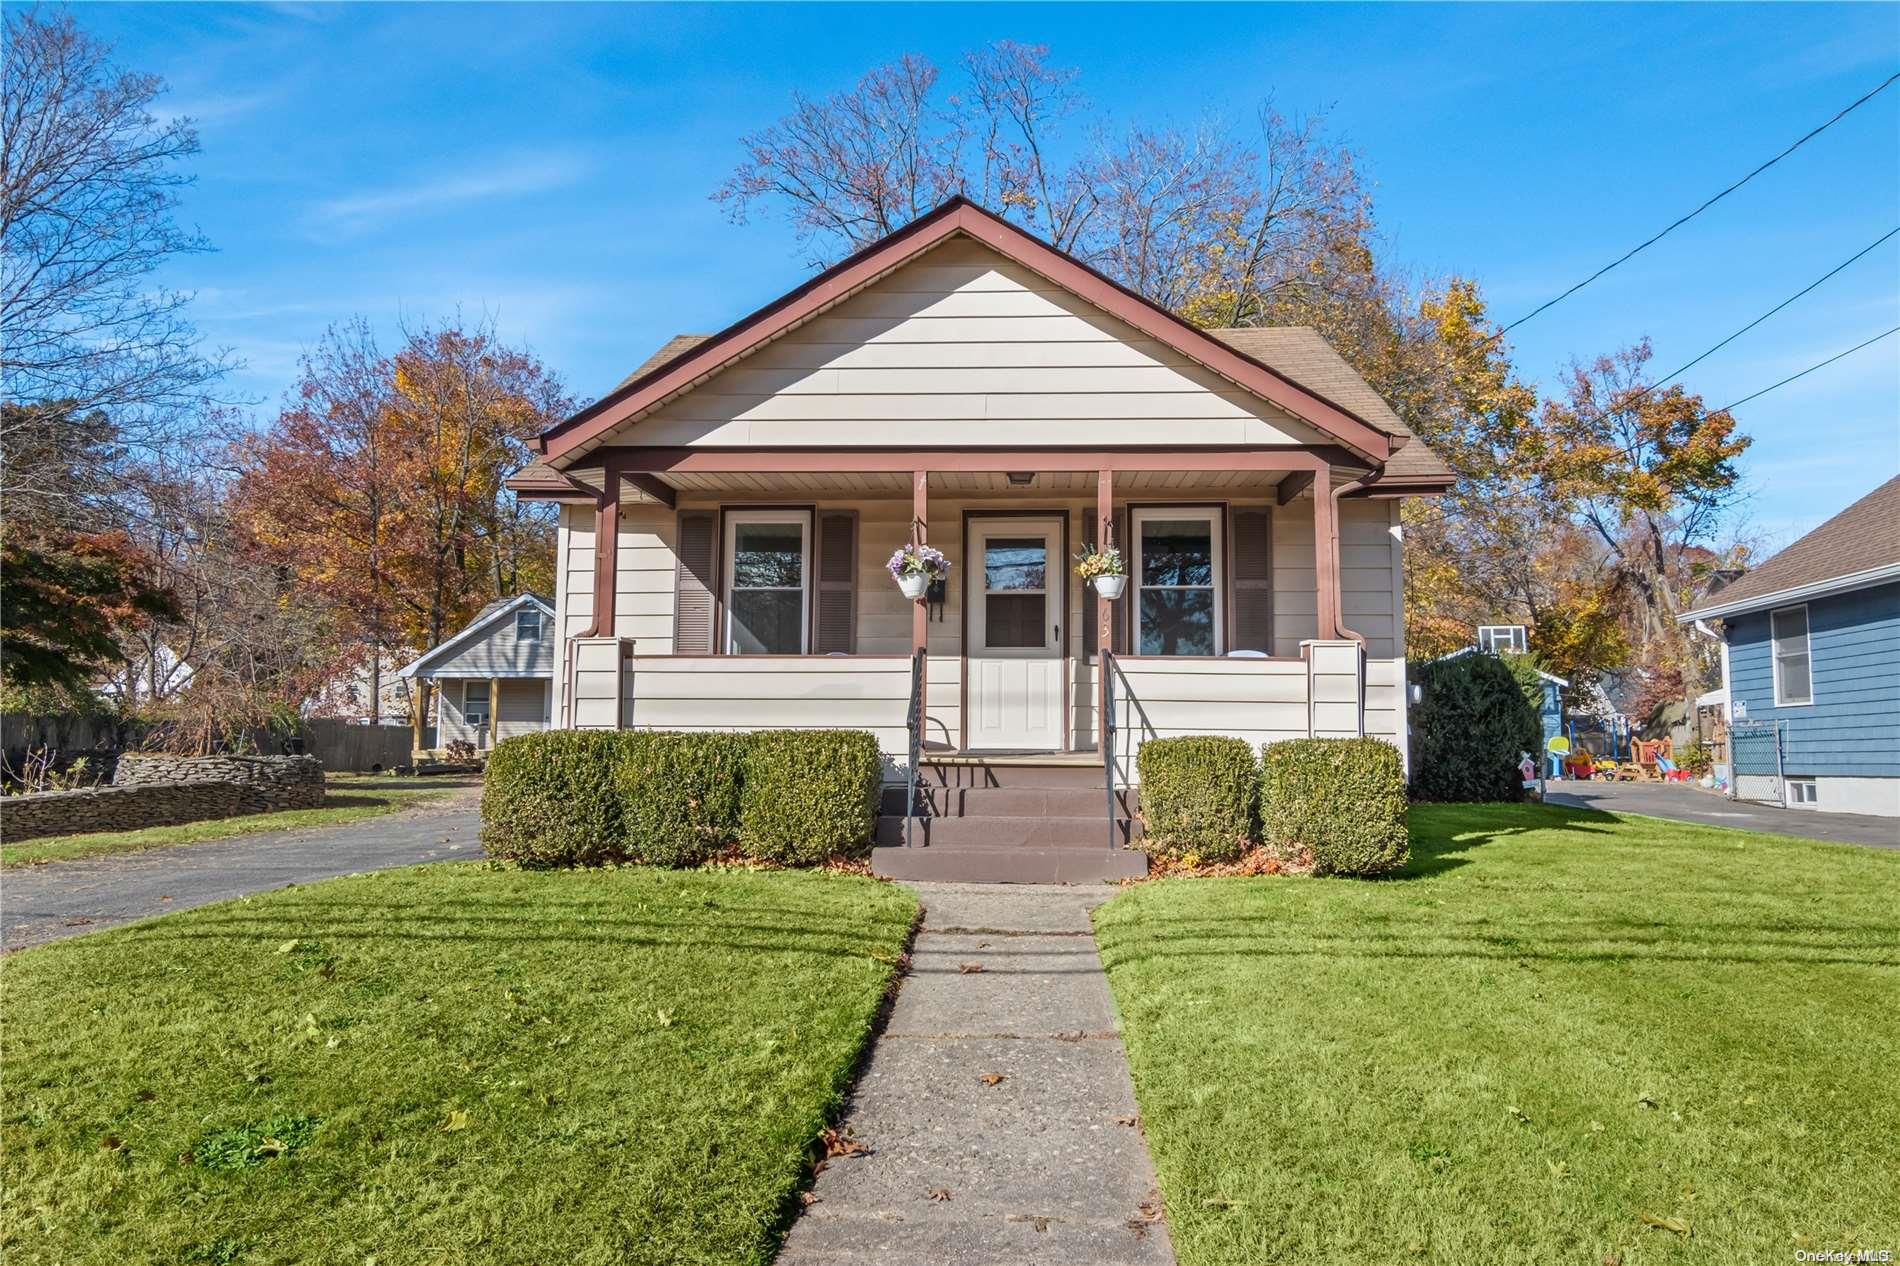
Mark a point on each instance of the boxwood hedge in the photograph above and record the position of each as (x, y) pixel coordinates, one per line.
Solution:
(679, 795)
(806, 795)
(1343, 800)
(549, 799)
(1200, 794)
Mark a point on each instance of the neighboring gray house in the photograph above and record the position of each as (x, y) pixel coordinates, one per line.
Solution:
(492, 680)
(1811, 642)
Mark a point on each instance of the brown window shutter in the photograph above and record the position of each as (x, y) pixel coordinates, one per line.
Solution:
(1250, 554)
(693, 587)
(835, 596)
(1091, 619)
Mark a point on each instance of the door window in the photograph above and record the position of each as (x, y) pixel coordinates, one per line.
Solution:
(1177, 574)
(1015, 592)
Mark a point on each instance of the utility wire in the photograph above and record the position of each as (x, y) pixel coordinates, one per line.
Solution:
(1634, 251)
(1810, 369)
(1671, 377)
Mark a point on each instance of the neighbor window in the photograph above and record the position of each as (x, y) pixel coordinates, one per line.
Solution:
(1502, 638)
(1803, 791)
(528, 625)
(1177, 567)
(1794, 674)
(767, 560)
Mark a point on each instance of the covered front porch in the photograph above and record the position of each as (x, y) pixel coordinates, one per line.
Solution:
(746, 589)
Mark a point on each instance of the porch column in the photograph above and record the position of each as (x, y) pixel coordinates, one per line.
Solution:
(494, 711)
(606, 553)
(1104, 609)
(420, 704)
(920, 609)
(1325, 554)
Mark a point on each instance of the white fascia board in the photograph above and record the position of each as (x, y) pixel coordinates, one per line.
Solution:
(1797, 593)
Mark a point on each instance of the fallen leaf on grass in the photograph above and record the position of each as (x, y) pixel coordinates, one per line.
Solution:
(937, 1193)
(1645, 1100)
(969, 969)
(1217, 1204)
(665, 1018)
(837, 1144)
(991, 1079)
(286, 947)
(111, 1143)
(1612, 1258)
(268, 1147)
(457, 1120)
(1519, 1113)
(1679, 1225)
(1559, 1169)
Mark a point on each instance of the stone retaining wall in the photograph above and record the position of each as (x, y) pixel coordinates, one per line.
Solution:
(152, 789)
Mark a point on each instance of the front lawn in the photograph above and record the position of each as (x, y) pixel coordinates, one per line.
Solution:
(346, 798)
(1562, 1036)
(442, 1064)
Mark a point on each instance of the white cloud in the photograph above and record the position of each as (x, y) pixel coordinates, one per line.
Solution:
(485, 181)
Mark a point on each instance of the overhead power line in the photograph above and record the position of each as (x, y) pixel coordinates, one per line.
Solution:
(1810, 369)
(1671, 377)
(1643, 246)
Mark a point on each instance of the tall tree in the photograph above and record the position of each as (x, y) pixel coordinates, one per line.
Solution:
(68, 598)
(89, 183)
(378, 488)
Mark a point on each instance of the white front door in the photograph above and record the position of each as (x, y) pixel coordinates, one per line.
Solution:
(1015, 662)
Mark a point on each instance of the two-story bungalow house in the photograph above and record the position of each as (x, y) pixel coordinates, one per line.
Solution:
(729, 508)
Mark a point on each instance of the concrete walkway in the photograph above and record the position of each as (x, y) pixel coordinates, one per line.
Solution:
(1682, 803)
(1045, 1165)
(42, 903)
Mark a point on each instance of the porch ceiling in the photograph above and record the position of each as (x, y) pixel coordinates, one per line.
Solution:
(887, 484)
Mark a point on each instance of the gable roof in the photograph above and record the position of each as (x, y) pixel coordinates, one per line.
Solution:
(487, 618)
(1856, 548)
(664, 377)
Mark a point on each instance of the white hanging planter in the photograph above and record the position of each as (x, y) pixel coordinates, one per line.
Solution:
(913, 586)
(1110, 587)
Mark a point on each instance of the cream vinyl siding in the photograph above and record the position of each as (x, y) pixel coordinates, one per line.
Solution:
(1369, 576)
(501, 653)
(962, 347)
(643, 583)
(524, 707)
(744, 692)
(451, 723)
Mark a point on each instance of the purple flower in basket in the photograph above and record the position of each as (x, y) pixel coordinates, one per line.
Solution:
(919, 560)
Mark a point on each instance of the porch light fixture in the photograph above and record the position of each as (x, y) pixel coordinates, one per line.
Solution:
(1021, 478)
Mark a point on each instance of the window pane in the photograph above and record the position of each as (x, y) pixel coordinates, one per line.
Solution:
(767, 622)
(1796, 686)
(1177, 621)
(1015, 563)
(767, 555)
(1014, 620)
(1177, 552)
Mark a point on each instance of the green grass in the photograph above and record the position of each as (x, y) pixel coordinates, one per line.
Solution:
(1557, 1026)
(447, 1063)
(347, 798)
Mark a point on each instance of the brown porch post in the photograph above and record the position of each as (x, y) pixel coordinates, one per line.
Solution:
(1104, 609)
(1325, 554)
(421, 705)
(920, 609)
(494, 711)
(606, 554)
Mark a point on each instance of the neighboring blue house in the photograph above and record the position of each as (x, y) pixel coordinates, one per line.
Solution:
(1811, 640)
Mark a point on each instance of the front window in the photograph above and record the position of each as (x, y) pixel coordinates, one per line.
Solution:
(1177, 567)
(768, 557)
(1794, 678)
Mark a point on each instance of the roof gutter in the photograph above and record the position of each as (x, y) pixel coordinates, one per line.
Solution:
(1796, 593)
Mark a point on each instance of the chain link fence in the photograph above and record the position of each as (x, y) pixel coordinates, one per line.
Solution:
(1756, 749)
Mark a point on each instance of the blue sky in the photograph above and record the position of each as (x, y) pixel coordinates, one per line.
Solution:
(550, 165)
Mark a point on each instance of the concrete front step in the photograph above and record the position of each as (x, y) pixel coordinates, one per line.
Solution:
(1073, 771)
(1009, 865)
(1010, 802)
(1000, 832)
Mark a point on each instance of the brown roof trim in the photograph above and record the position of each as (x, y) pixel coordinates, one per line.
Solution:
(539, 483)
(1402, 486)
(954, 216)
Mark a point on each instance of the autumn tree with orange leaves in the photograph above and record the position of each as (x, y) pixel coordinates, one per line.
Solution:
(378, 487)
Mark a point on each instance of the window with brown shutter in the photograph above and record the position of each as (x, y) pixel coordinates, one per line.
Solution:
(1251, 563)
(693, 587)
(835, 605)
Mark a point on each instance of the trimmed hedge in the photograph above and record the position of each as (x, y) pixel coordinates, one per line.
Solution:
(549, 799)
(1200, 794)
(679, 795)
(1341, 799)
(1470, 729)
(806, 795)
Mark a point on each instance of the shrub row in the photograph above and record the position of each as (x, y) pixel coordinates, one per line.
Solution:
(1342, 800)
(588, 798)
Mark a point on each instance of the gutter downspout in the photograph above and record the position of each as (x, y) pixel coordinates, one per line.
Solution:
(1339, 594)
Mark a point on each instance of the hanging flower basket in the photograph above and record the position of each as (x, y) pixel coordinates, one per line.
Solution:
(915, 567)
(1104, 569)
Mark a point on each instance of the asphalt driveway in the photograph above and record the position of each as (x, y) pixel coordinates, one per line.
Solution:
(1683, 803)
(42, 903)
